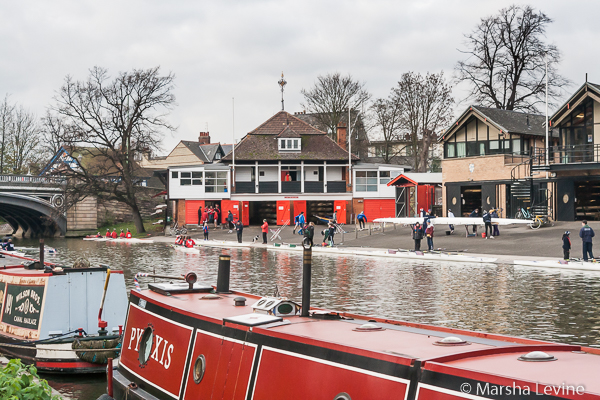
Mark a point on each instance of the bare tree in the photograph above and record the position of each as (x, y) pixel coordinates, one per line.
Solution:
(384, 118)
(109, 123)
(330, 98)
(53, 133)
(505, 67)
(23, 142)
(6, 115)
(425, 106)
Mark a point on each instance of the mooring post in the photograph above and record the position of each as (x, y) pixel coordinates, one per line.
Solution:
(109, 377)
(370, 226)
(306, 276)
(42, 253)
(356, 231)
(223, 273)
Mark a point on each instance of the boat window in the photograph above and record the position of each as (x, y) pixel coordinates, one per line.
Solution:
(342, 396)
(199, 368)
(146, 344)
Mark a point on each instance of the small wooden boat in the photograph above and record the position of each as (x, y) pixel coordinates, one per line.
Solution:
(14, 253)
(48, 313)
(184, 249)
(561, 264)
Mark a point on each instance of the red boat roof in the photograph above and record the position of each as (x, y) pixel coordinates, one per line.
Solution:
(398, 339)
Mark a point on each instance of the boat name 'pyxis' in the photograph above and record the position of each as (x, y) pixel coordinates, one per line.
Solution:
(165, 354)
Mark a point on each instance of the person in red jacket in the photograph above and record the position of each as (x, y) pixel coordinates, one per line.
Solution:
(204, 216)
(429, 234)
(217, 214)
(178, 240)
(122, 234)
(108, 235)
(189, 243)
(128, 234)
(265, 230)
(114, 234)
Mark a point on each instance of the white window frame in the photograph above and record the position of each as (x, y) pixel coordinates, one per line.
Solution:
(289, 144)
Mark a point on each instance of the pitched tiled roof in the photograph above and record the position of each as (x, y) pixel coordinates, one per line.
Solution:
(261, 143)
(514, 121)
(204, 152)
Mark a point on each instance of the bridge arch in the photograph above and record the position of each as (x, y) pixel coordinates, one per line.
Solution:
(35, 216)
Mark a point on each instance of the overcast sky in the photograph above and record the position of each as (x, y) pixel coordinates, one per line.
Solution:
(219, 50)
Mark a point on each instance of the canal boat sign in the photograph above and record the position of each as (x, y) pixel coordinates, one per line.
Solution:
(46, 312)
(194, 341)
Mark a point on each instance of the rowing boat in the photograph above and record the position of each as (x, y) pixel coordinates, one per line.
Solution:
(118, 240)
(185, 249)
(561, 264)
(222, 243)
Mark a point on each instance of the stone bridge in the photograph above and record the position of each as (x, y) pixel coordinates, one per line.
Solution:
(33, 205)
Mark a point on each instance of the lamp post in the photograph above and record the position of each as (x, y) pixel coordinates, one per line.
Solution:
(547, 122)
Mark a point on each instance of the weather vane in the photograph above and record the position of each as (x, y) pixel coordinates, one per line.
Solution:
(282, 82)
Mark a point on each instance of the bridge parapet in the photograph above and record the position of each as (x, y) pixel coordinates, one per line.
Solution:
(32, 180)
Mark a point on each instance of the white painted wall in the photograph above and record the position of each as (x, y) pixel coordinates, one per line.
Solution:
(243, 174)
(191, 192)
(270, 174)
(309, 173)
(383, 190)
(334, 173)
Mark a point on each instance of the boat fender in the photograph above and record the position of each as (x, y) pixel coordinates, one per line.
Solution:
(96, 357)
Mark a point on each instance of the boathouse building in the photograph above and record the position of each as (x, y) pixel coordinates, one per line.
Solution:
(497, 159)
(279, 169)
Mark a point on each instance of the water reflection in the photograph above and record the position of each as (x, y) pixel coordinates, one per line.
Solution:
(535, 303)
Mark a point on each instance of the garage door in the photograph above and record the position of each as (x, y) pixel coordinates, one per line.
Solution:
(379, 208)
(191, 211)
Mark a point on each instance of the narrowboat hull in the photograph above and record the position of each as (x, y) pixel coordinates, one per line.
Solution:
(198, 345)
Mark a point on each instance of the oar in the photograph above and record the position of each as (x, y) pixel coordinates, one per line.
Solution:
(103, 324)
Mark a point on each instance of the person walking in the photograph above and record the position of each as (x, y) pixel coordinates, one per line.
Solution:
(487, 220)
(331, 233)
(217, 214)
(417, 234)
(566, 245)
(265, 229)
(309, 233)
(586, 234)
(205, 230)
(429, 234)
(334, 217)
(495, 224)
(199, 216)
(362, 218)
(239, 228)
(230, 221)
(451, 226)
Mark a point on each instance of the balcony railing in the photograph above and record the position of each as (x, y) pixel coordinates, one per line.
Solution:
(291, 187)
(576, 154)
(336, 186)
(244, 187)
(32, 180)
(313, 187)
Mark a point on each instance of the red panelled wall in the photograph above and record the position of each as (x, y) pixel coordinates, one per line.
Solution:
(229, 205)
(380, 208)
(339, 206)
(245, 213)
(191, 211)
(299, 206)
(425, 197)
(283, 212)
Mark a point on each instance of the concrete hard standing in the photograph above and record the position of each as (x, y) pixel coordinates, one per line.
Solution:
(515, 240)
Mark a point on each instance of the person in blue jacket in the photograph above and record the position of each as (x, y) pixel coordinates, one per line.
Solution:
(586, 234)
(299, 221)
(362, 218)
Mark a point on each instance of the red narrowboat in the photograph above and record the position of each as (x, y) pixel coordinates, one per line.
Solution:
(194, 341)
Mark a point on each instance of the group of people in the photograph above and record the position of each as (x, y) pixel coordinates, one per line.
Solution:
(491, 230)
(8, 245)
(114, 235)
(420, 231)
(185, 241)
(586, 233)
(209, 215)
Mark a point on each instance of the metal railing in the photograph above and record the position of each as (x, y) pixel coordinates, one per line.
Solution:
(575, 154)
(30, 179)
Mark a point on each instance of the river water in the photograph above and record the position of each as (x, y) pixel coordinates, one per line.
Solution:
(562, 306)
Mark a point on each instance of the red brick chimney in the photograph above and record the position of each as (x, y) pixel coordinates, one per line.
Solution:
(204, 138)
(342, 135)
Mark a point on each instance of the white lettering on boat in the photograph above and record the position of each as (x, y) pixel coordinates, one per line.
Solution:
(161, 347)
(169, 352)
(155, 352)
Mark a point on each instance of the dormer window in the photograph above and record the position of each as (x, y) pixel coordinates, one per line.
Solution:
(218, 156)
(292, 144)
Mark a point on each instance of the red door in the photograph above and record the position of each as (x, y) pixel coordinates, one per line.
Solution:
(245, 213)
(191, 211)
(229, 205)
(283, 212)
(299, 206)
(425, 197)
(339, 206)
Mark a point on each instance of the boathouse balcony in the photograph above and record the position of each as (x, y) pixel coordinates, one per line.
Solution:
(563, 158)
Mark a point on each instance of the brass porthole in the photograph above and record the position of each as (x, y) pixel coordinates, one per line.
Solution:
(146, 344)
(566, 198)
(454, 201)
(199, 368)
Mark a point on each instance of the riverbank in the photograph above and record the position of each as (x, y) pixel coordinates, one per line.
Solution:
(515, 241)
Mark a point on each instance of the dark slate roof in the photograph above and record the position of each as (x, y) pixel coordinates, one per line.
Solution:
(261, 143)
(514, 121)
(227, 148)
(579, 93)
(204, 152)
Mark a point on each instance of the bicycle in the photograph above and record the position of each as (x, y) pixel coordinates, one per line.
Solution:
(523, 213)
(178, 230)
(536, 220)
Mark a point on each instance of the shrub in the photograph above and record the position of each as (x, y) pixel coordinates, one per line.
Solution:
(21, 382)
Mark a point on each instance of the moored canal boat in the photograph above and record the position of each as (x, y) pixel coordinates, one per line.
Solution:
(48, 312)
(192, 340)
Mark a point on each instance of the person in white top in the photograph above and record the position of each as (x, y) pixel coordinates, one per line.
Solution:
(451, 215)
